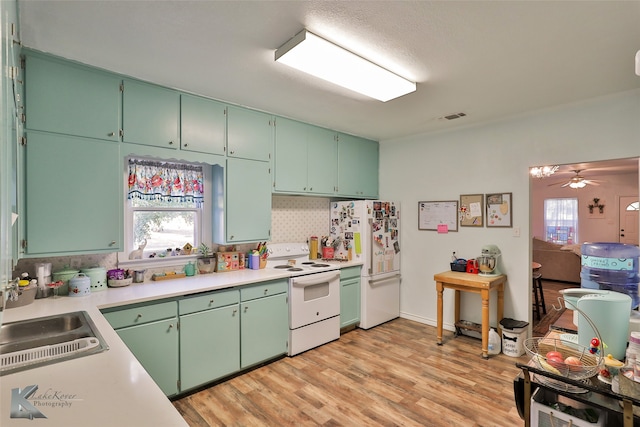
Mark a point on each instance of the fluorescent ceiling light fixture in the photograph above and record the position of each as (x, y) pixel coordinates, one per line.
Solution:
(543, 171)
(320, 58)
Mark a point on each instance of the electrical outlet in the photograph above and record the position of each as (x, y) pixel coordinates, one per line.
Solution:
(75, 263)
(516, 231)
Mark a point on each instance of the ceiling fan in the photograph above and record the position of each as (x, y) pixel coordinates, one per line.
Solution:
(577, 181)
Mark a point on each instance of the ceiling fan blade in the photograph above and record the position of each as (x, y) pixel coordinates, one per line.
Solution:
(591, 182)
(564, 183)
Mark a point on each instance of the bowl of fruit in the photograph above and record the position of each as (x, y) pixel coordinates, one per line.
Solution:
(566, 359)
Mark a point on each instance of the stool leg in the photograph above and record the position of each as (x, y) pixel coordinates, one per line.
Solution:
(536, 303)
(544, 306)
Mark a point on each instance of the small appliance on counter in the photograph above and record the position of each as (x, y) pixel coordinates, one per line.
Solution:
(489, 260)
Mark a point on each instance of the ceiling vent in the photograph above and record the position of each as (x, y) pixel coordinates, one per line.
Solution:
(453, 116)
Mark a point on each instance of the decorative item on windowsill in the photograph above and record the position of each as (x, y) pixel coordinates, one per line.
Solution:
(596, 204)
(137, 254)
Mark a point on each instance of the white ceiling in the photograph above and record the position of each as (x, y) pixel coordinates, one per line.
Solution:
(488, 59)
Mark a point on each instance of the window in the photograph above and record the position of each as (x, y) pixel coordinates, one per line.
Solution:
(633, 206)
(561, 220)
(165, 206)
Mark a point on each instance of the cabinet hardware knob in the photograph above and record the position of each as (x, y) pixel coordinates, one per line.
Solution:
(234, 312)
(317, 313)
(139, 316)
(211, 302)
(186, 145)
(265, 291)
(232, 152)
(310, 188)
(111, 134)
(245, 309)
(171, 326)
(170, 142)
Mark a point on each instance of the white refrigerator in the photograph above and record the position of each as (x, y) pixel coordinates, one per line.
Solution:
(369, 231)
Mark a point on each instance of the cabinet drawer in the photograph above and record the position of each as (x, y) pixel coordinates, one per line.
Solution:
(349, 272)
(195, 303)
(264, 290)
(141, 314)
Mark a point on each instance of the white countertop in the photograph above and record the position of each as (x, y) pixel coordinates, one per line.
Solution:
(109, 388)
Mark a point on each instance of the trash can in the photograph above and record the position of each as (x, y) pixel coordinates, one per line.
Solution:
(514, 332)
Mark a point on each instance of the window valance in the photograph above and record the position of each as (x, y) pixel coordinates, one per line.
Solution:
(153, 180)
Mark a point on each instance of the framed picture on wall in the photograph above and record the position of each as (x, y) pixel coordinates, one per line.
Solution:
(499, 210)
(472, 210)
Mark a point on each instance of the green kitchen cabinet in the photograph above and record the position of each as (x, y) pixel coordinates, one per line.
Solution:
(349, 296)
(209, 337)
(358, 160)
(305, 160)
(249, 134)
(242, 201)
(151, 333)
(150, 115)
(70, 99)
(264, 322)
(73, 195)
(203, 124)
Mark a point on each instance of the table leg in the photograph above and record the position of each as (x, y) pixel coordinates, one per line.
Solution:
(456, 318)
(485, 323)
(500, 307)
(439, 289)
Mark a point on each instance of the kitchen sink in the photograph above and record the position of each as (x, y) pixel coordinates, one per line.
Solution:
(47, 340)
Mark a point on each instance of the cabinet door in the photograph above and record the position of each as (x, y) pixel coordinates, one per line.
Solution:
(357, 166)
(322, 173)
(249, 134)
(264, 329)
(73, 195)
(150, 115)
(71, 100)
(202, 125)
(209, 345)
(290, 159)
(349, 302)
(248, 197)
(370, 168)
(155, 345)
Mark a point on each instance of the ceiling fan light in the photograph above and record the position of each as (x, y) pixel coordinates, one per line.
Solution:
(543, 171)
(323, 59)
(577, 184)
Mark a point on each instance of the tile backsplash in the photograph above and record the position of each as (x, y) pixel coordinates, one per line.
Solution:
(293, 219)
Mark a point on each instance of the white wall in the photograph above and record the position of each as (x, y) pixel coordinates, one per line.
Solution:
(492, 158)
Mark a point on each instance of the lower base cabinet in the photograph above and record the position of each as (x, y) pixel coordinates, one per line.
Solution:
(151, 333)
(190, 341)
(209, 339)
(349, 296)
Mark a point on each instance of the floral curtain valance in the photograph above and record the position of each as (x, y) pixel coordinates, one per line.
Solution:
(150, 180)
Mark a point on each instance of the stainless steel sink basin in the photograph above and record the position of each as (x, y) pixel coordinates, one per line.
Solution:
(45, 340)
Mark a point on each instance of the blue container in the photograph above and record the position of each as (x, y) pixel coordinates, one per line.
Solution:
(612, 267)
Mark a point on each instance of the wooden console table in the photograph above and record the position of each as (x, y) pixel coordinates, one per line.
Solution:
(476, 283)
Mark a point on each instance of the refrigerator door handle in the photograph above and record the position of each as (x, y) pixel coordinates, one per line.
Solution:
(384, 279)
(370, 246)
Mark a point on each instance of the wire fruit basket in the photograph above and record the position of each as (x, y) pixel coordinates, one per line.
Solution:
(567, 358)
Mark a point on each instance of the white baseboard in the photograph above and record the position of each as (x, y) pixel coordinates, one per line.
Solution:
(427, 321)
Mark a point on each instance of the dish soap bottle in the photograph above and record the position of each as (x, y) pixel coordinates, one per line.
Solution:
(494, 342)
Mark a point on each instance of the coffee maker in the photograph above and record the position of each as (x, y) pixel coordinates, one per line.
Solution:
(488, 262)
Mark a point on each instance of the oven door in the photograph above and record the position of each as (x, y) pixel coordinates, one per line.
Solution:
(313, 297)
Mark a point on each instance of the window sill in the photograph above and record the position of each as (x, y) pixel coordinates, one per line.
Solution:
(171, 261)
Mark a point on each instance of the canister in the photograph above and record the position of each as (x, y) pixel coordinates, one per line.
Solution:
(79, 285)
(64, 275)
(313, 247)
(98, 277)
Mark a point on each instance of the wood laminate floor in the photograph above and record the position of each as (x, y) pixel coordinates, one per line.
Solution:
(391, 375)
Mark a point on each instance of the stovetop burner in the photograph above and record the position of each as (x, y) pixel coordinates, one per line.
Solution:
(282, 266)
(319, 265)
(295, 269)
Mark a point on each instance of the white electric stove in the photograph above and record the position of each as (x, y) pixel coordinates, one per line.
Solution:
(314, 296)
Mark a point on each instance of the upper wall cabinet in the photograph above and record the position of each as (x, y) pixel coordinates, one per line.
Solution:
(305, 158)
(202, 125)
(73, 100)
(357, 167)
(150, 115)
(249, 134)
(73, 194)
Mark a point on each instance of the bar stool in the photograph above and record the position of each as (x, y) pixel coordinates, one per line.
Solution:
(538, 294)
